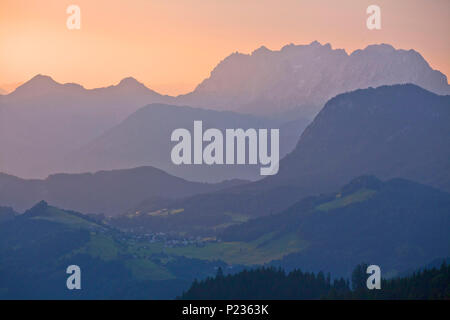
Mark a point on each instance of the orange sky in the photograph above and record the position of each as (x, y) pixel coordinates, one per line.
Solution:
(171, 45)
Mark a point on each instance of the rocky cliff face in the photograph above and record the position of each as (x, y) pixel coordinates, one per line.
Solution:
(301, 78)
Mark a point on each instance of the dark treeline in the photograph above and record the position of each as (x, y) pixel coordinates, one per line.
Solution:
(272, 283)
(430, 283)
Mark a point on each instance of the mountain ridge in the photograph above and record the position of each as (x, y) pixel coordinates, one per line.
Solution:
(291, 83)
(398, 131)
(144, 139)
(404, 111)
(413, 219)
(108, 192)
(46, 83)
(298, 83)
(440, 84)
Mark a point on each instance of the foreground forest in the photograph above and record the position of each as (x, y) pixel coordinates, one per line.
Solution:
(272, 283)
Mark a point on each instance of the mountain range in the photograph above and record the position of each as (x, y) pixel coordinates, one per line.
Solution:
(394, 224)
(391, 131)
(42, 120)
(144, 138)
(48, 127)
(397, 224)
(398, 131)
(36, 248)
(44, 123)
(299, 79)
(364, 175)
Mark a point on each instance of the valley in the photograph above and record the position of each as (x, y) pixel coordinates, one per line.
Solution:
(366, 180)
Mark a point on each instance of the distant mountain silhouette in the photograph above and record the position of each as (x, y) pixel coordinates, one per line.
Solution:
(398, 225)
(66, 128)
(42, 120)
(3, 91)
(144, 139)
(42, 85)
(108, 192)
(391, 131)
(304, 77)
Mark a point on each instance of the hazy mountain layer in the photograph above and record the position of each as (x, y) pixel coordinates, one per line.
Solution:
(107, 192)
(391, 131)
(398, 131)
(144, 138)
(43, 120)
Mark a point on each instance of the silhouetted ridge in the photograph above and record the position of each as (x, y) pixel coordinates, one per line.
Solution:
(37, 209)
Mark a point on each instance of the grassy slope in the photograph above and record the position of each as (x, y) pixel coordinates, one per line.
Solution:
(262, 250)
(138, 256)
(259, 251)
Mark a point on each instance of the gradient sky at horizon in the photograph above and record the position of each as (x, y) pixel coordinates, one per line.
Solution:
(172, 45)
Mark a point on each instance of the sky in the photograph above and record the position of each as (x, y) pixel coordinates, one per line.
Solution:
(172, 45)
